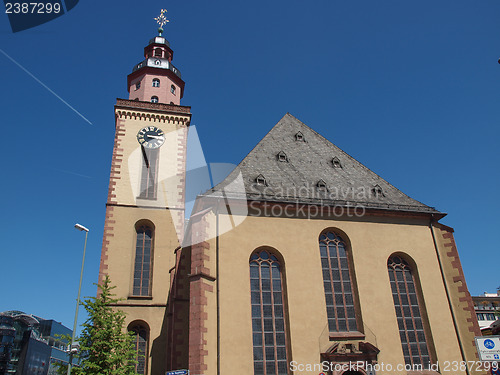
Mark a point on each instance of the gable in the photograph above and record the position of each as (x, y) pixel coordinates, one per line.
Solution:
(293, 163)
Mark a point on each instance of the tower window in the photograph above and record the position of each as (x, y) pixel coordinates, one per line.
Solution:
(138, 85)
(158, 52)
(143, 261)
(149, 173)
(156, 82)
(141, 343)
(410, 322)
(268, 314)
(339, 296)
(172, 89)
(154, 99)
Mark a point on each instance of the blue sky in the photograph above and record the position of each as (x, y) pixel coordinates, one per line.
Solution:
(410, 89)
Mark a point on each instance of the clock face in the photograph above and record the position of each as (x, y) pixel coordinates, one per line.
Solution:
(151, 137)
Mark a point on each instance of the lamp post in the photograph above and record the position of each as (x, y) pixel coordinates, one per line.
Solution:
(70, 363)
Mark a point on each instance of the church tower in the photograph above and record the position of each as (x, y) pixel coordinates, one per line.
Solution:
(145, 204)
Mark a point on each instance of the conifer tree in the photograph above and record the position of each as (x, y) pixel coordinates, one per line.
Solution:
(105, 348)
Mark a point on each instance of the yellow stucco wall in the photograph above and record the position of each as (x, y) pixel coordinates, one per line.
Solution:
(121, 253)
(170, 161)
(372, 240)
(460, 298)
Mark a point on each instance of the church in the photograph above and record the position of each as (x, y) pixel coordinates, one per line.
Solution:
(301, 261)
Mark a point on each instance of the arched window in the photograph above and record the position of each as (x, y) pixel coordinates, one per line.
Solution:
(143, 261)
(156, 82)
(268, 314)
(411, 327)
(172, 89)
(337, 281)
(141, 344)
(154, 99)
(158, 52)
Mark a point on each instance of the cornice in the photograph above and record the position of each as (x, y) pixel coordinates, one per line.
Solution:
(154, 112)
(157, 107)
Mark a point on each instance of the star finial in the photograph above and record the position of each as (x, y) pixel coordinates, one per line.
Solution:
(161, 20)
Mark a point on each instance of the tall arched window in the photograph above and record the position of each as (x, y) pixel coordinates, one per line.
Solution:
(141, 343)
(143, 261)
(337, 281)
(411, 327)
(268, 315)
(172, 89)
(158, 52)
(156, 82)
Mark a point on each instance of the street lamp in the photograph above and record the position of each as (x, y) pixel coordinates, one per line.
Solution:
(71, 351)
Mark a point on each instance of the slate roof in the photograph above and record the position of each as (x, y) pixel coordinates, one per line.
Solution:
(293, 163)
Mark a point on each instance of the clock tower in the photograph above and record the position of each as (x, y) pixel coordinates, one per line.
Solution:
(145, 205)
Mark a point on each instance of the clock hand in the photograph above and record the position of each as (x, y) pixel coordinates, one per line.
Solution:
(156, 136)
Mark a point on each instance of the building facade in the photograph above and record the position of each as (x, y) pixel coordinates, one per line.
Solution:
(487, 307)
(301, 261)
(30, 344)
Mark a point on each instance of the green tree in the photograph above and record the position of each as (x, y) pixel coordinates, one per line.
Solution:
(60, 369)
(105, 348)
